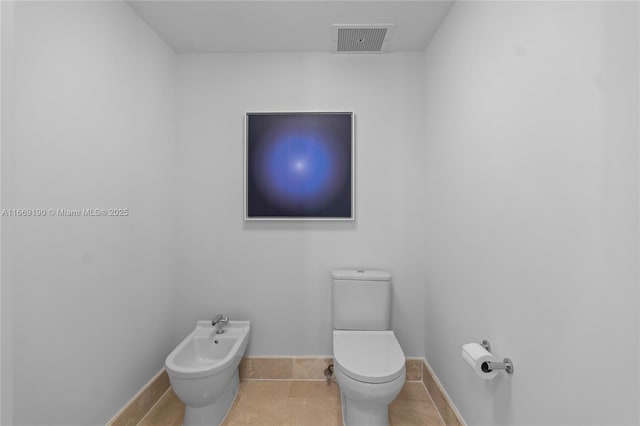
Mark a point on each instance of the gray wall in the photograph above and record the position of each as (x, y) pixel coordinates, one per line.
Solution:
(95, 128)
(278, 274)
(532, 193)
(7, 129)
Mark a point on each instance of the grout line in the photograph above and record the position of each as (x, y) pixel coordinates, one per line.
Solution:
(154, 405)
(246, 379)
(318, 357)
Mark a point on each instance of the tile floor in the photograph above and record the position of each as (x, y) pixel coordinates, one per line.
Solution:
(304, 403)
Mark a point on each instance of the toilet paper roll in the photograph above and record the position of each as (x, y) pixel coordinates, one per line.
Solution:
(475, 355)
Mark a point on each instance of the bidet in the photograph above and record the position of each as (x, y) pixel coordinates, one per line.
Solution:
(203, 371)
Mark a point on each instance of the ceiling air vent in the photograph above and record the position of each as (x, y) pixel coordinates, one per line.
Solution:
(361, 38)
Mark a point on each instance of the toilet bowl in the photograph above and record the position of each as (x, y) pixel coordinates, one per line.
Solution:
(203, 371)
(368, 361)
(370, 371)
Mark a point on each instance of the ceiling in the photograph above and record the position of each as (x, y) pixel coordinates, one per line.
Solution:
(285, 26)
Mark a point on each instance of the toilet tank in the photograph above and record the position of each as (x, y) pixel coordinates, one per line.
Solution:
(361, 300)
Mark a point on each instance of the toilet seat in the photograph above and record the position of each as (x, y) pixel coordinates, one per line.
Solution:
(368, 356)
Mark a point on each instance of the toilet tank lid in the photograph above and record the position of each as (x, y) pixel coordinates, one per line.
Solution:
(360, 274)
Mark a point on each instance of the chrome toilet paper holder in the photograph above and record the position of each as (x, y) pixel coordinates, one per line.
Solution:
(488, 366)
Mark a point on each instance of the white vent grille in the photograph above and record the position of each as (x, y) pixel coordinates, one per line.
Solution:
(361, 38)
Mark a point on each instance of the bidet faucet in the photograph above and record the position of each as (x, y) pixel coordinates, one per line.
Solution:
(219, 321)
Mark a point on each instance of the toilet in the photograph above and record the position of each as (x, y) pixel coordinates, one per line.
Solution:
(369, 364)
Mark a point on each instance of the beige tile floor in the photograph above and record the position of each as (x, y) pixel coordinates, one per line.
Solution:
(304, 403)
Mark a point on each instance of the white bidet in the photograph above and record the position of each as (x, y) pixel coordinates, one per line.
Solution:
(203, 370)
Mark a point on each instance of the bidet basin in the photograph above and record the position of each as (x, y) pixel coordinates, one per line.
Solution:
(205, 353)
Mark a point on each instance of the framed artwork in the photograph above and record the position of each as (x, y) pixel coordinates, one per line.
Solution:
(299, 166)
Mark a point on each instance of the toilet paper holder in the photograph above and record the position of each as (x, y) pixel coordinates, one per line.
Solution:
(489, 366)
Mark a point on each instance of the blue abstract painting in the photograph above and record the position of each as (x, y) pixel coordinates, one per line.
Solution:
(299, 165)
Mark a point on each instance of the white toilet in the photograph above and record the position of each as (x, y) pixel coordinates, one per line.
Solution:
(368, 361)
